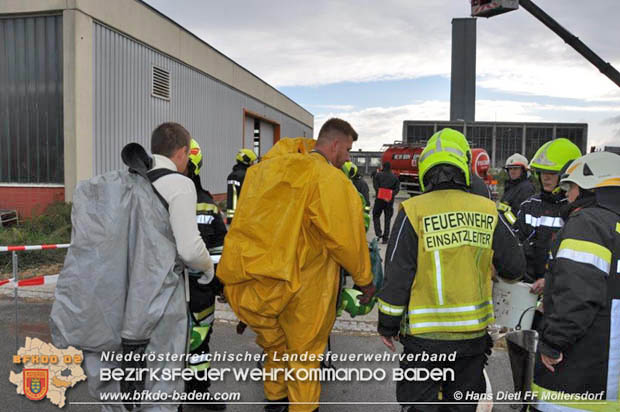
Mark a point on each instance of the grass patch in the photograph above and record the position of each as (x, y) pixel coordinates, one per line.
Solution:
(53, 226)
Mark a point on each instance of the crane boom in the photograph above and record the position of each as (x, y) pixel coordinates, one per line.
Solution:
(606, 68)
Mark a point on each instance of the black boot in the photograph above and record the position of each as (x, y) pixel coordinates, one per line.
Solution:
(279, 405)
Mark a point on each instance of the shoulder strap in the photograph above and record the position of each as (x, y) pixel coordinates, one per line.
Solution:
(155, 174)
(139, 162)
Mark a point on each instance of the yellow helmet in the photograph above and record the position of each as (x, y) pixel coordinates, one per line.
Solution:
(195, 157)
(458, 139)
(554, 156)
(246, 156)
(350, 169)
(448, 147)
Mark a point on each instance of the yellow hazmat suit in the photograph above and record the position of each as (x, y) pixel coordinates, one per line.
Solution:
(298, 220)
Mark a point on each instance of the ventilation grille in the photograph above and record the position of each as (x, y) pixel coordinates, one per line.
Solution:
(160, 81)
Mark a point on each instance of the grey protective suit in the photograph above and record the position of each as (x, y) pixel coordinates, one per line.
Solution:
(121, 279)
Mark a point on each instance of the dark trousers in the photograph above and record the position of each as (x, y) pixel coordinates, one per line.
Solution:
(387, 208)
(201, 298)
(471, 356)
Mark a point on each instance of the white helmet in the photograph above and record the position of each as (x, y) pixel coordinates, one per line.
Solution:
(593, 171)
(516, 160)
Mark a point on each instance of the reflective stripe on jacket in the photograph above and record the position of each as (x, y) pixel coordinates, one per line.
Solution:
(465, 297)
(582, 314)
(538, 222)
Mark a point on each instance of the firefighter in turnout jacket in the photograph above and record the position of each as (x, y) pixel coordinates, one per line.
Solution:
(538, 220)
(245, 158)
(439, 264)
(350, 169)
(203, 289)
(579, 346)
(517, 189)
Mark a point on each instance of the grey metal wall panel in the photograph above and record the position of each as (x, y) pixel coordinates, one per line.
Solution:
(248, 138)
(125, 111)
(266, 137)
(31, 100)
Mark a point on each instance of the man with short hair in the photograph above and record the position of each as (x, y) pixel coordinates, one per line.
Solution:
(300, 222)
(122, 287)
(170, 143)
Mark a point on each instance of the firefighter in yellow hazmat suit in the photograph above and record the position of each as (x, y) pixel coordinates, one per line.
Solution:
(297, 222)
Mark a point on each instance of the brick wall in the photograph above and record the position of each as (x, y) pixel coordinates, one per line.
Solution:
(29, 201)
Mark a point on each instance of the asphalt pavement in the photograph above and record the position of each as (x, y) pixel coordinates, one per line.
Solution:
(32, 322)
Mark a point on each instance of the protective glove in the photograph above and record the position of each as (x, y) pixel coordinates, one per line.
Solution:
(206, 277)
(241, 328)
(133, 347)
(368, 292)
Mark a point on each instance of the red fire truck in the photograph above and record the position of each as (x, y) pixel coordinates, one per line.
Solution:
(404, 160)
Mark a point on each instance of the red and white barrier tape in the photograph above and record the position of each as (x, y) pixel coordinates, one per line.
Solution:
(34, 247)
(38, 281)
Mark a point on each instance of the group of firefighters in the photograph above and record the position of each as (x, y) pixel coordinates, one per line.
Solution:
(297, 221)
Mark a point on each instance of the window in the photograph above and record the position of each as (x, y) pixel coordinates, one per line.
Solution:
(256, 146)
(574, 134)
(534, 138)
(419, 132)
(508, 142)
(31, 100)
(481, 136)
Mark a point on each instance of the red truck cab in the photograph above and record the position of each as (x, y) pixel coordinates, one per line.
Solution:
(404, 159)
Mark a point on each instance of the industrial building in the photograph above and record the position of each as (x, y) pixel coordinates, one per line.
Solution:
(81, 78)
(366, 161)
(501, 139)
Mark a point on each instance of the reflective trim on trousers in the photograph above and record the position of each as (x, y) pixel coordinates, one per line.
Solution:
(613, 371)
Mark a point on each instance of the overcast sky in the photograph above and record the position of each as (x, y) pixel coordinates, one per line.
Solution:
(377, 63)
